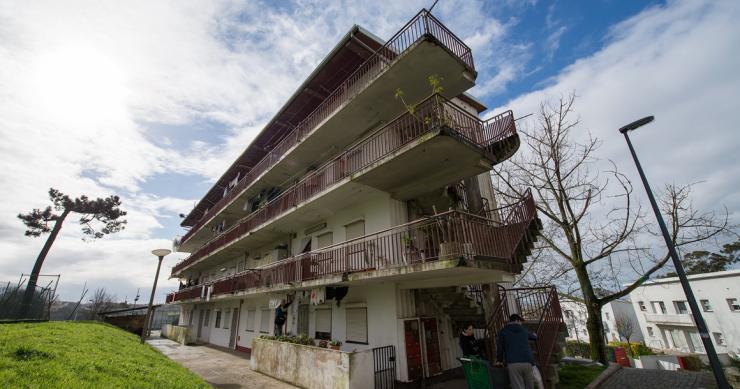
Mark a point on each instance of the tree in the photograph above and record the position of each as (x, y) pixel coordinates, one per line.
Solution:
(101, 211)
(625, 327)
(101, 301)
(593, 230)
(700, 261)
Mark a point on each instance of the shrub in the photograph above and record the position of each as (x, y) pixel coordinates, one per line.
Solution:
(577, 349)
(637, 348)
(693, 363)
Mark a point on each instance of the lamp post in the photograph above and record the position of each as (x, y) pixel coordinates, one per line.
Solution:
(696, 313)
(160, 253)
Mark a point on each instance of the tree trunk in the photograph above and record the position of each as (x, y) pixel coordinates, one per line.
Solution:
(594, 324)
(33, 279)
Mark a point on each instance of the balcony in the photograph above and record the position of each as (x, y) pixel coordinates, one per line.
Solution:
(410, 155)
(364, 99)
(673, 320)
(454, 239)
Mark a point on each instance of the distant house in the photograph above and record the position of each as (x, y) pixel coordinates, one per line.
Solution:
(574, 314)
(665, 317)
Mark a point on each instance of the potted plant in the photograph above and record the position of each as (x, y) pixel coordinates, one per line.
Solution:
(323, 344)
(335, 344)
(411, 253)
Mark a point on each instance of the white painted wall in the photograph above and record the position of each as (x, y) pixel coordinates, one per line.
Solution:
(716, 288)
(575, 315)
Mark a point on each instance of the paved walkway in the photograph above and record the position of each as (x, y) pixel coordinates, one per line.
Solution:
(221, 369)
(658, 379)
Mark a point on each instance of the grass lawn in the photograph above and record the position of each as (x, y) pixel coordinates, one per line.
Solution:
(578, 376)
(84, 355)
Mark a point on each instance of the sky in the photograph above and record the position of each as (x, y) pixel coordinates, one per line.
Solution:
(152, 101)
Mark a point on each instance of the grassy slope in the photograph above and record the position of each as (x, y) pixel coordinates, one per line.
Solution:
(84, 355)
(578, 377)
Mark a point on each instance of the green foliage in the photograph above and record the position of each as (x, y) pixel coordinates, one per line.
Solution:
(300, 339)
(335, 342)
(700, 261)
(693, 363)
(84, 355)
(578, 376)
(637, 348)
(577, 349)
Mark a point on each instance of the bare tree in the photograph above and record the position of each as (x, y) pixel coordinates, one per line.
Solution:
(594, 234)
(625, 327)
(101, 301)
(104, 211)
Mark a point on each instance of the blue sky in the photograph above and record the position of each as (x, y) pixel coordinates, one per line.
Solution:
(153, 101)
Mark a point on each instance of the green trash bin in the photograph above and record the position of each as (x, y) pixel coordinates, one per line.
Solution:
(479, 374)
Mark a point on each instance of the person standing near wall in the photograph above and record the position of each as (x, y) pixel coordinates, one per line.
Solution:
(281, 316)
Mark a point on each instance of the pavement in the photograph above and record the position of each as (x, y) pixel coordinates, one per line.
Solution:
(220, 368)
(658, 379)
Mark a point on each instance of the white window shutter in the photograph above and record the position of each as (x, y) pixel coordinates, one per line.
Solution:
(356, 325)
(323, 320)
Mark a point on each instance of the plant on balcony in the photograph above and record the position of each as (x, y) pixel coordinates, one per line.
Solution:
(437, 115)
(335, 344)
(411, 252)
(323, 344)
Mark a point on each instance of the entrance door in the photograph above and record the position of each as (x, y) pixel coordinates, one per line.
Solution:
(431, 347)
(414, 362)
(200, 323)
(234, 324)
(302, 319)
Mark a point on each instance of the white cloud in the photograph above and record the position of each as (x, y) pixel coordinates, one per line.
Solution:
(678, 62)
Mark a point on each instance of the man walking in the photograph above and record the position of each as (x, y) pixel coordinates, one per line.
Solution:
(512, 346)
(281, 316)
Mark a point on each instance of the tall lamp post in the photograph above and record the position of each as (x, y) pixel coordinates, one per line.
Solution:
(160, 253)
(698, 319)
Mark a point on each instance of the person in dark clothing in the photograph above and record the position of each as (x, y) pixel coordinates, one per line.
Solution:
(281, 316)
(512, 346)
(468, 343)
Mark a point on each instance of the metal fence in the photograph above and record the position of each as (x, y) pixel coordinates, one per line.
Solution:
(384, 367)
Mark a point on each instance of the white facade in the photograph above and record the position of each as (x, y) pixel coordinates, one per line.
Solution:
(574, 314)
(666, 320)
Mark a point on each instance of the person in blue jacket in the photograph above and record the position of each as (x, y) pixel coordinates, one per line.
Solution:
(512, 347)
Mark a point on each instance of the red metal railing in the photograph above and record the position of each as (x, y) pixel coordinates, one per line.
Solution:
(432, 113)
(453, 234)
(422, 26)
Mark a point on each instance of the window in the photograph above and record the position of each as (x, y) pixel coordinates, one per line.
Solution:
(734, 306)
(324, 240)
(681, 307)
(265, 321)
(323, 324)
(227, 318)
(569, 314)
(642, 305)
(607, 315)
(658, 307)
(207, 321)
(355, 229)
(719, 338)
(356, 325)
(650, 331)
(705, 306)
(251, 317)
(218, 318)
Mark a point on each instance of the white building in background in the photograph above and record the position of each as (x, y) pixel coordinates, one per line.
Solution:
(574, 314)
(666, 320)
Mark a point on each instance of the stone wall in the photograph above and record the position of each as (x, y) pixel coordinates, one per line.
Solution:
(313, 367)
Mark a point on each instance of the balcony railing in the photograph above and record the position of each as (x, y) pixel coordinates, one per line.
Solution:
(453, 234)
(671, 319)
(421, 26)
(433, 113)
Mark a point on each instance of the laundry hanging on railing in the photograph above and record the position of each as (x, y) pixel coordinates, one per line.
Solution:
(318, 296)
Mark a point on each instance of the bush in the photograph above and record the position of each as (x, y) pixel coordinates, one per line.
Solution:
(637, 348)
(693, 363)
(577, 349)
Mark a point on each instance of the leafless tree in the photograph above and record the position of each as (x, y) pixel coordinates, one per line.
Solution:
(101, 301)
(625, 327)
(595, 235)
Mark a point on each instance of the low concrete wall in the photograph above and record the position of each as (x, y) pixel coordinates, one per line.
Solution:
(180, 334)
(313, 367)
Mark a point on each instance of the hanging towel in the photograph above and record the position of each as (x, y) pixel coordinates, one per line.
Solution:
(318, 296)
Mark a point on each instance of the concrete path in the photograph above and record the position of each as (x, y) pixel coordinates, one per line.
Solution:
(658, 379)
(222, 369)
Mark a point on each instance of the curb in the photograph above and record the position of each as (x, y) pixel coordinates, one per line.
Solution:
(613, 368)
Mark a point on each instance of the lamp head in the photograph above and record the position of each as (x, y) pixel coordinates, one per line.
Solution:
(637, 124)
(161, 252)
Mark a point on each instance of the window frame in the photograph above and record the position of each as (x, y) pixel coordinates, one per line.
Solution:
(641, 305)
(227, 318)
(732, 303)
(249, 326)
(706, 307)
(322, 335)
(346, 323)
(218, 319)
(265, 312)
(719, 338)
(677, 305)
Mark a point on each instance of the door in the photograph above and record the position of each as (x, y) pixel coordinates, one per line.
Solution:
(303, 319)
(413, 349)
(200, 323)
(433, 364)
(234, 325)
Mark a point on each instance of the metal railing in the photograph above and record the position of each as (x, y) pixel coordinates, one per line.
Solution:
(433, 113)
(422, 26)
(453, 234)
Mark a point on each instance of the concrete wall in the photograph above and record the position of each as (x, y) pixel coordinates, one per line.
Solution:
(576, 320)
(716, 288)
(180, 334)
(312, 367)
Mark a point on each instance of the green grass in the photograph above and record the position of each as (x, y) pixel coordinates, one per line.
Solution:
(84, 355)
(578, 377)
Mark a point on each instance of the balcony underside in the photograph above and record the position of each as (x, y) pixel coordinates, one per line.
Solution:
(371, 107)
(434, 160)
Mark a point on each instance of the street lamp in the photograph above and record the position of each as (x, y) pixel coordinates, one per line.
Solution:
(698, 319)
(160, 254)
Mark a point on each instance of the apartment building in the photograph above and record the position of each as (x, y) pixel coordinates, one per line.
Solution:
(575, 315)
(666, 320)
(377, 221)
